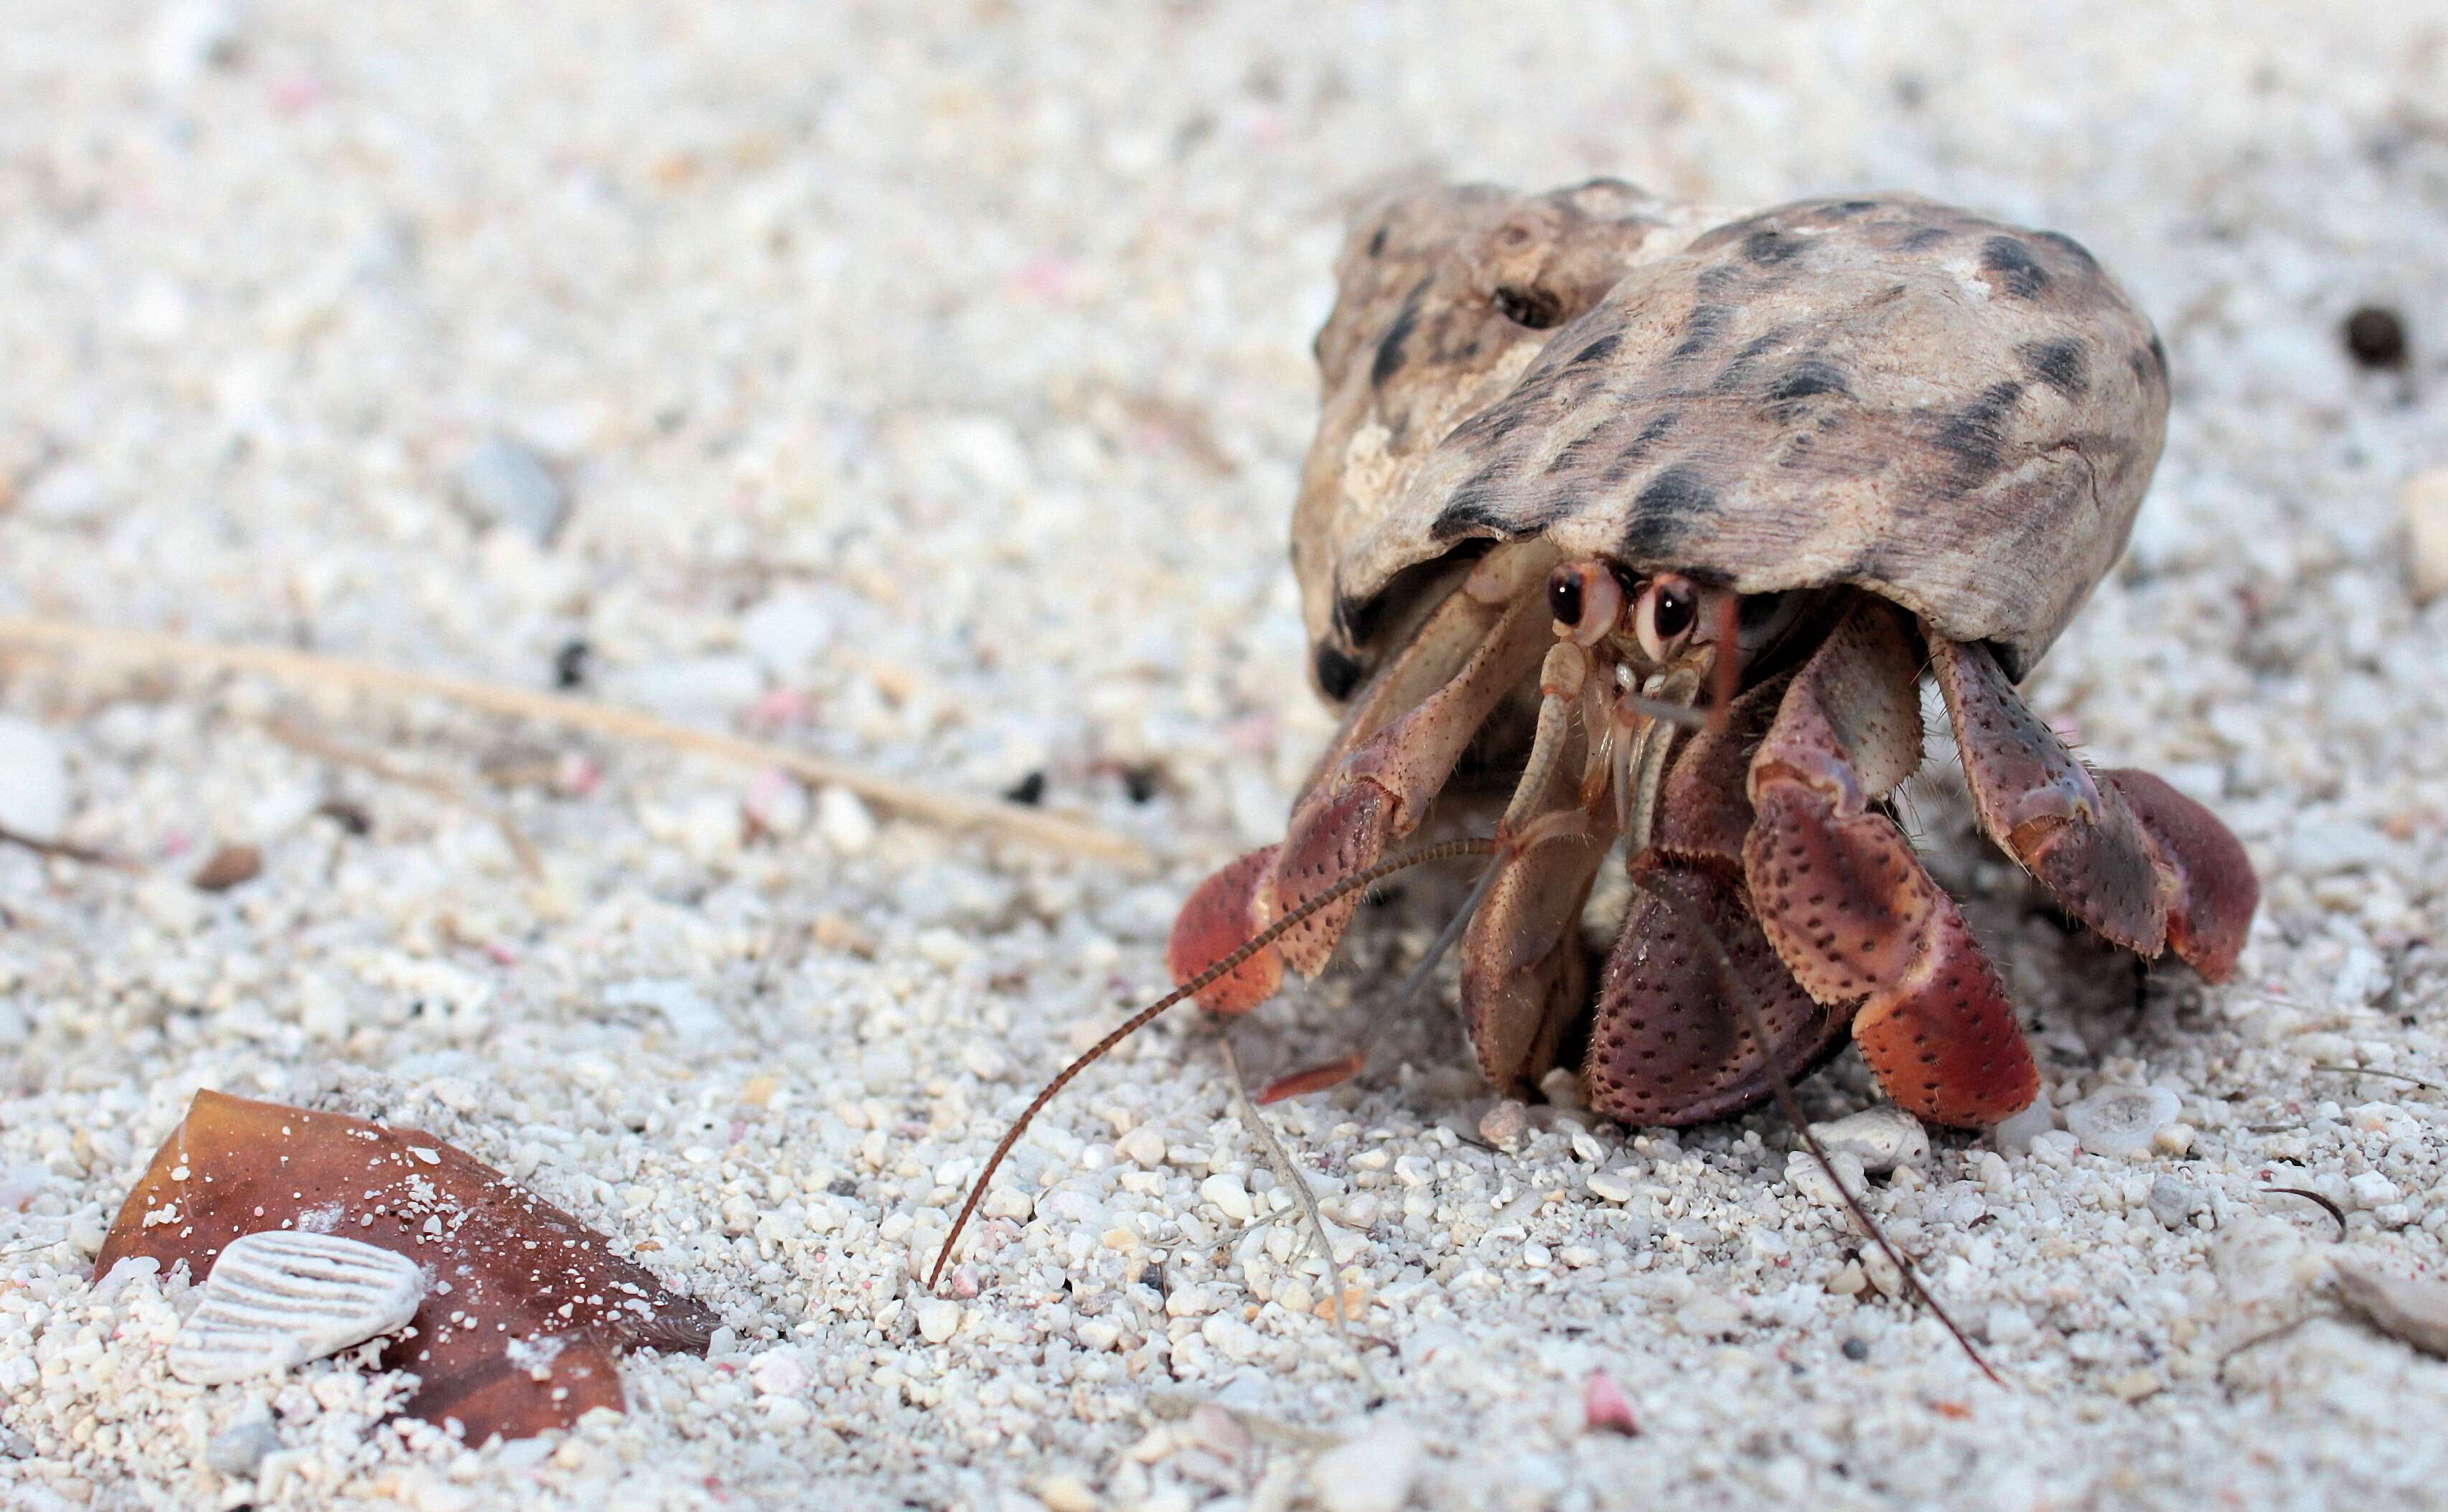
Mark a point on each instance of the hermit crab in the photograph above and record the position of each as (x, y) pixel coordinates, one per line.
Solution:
(1651, 523)
(1660, 524)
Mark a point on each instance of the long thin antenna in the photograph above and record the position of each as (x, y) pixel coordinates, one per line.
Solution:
(1792, 1106)
(1442, 851)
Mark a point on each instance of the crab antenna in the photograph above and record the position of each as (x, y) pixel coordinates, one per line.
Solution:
(1792, 1106)
(1344, 889)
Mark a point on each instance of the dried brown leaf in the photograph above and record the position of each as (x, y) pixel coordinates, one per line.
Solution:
(529, 1309)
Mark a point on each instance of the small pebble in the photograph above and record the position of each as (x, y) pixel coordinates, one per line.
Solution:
(1803, 1173)
(1230, 1199)
(2015, 1136)
(1605, 1408)
(2173, 1202)
(1855, 1349)
(939, 1318)
(1612, 1185)
(2426, 503)
(237, 1451)
(2375, 337)
(2119, 1122)
(503, 483)
(1882, 1138)
(1504, 1124)
(229, 866)
(1371, 1473)
(33, 780)
(785, 631)
(842, 822)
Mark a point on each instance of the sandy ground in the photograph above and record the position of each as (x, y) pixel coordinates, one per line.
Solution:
(927, 385)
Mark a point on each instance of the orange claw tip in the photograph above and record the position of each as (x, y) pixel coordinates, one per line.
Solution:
(1220, 917)
(2204, 867)
(1316, 1078)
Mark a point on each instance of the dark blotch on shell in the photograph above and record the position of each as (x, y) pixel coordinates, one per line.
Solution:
(1975, 435)
(2018, 271)
(1390, 351)
(1665, 512)
(1769, 247)
(1804, 380)
(1702, 328)
(2060, 364)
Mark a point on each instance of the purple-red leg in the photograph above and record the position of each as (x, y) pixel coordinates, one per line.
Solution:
(2139, 862)
(1849, 907)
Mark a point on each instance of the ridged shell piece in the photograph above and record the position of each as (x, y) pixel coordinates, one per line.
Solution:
(277, 1300)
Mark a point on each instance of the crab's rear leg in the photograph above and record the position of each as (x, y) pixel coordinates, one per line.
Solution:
(1847, 905)
(2129, 855)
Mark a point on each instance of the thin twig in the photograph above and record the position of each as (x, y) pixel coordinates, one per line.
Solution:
(2392, 1076)
(907, 799)
(298, 737)
(63, 851)
(1289, 1174)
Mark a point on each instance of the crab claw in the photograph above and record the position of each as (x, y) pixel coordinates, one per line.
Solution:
(1847, 905)
(2204, 874)
(1223, 915)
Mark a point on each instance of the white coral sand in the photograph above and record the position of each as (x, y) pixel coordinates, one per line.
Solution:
(923, 386)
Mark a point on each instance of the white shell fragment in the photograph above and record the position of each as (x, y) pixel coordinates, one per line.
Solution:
(1883, 1137)
(2121, 1120)
(1803, 1173)
(2426, 532)
(279, 1300)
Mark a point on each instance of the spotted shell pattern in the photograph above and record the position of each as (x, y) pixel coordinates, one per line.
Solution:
(1955, 413)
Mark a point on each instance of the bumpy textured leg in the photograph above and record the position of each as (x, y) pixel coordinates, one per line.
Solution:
(1849, 907)
(1395, 751)
(2204, 874)
(2046, 808)
(1381, 790)
(1668, 1046)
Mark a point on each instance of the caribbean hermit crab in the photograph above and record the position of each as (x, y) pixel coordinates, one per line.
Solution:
(1663, 523)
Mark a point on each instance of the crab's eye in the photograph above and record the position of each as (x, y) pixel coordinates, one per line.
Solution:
(1586, 600)
(1668, 609)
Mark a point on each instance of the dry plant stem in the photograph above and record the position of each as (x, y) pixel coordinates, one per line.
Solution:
(907, 799)
(300, 737)
(1281, 1160)
(1131, 1026)
(1791, 1107)
(2390, 1076)
(63, 851)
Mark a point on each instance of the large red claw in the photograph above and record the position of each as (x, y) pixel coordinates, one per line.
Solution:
(1855, 915)
(2207, 880)
(1222, 916)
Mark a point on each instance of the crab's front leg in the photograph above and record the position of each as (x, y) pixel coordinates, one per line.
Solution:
(2125, 854)
(1396, 750)
(1847, 905)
